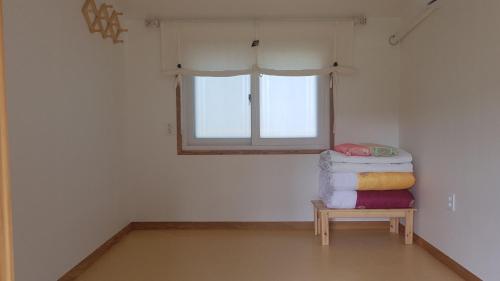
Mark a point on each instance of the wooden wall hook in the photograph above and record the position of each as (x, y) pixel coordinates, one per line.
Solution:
(91, 16)
(104, 20)
(104, 16)
(114, 28)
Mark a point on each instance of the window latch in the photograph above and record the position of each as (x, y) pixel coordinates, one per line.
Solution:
(250, 98)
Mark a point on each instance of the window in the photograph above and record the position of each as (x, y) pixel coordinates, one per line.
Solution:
(222, 107)
(288, 107)
(269, 100)
(255, 112)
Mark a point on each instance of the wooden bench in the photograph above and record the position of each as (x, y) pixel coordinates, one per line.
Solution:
(322, 216)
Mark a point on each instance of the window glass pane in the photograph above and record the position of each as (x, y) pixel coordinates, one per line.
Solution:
(288, 107)
(222, 107)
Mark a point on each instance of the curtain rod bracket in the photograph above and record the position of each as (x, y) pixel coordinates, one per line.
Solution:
(152, 23)
(361, 20)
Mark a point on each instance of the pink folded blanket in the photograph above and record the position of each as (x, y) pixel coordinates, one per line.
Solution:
(390, 199)
(351, 149)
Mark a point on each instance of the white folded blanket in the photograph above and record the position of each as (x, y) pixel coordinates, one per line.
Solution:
(336, 157)
(341, 199)
(365, 168)
(402, 157)
(344, 181)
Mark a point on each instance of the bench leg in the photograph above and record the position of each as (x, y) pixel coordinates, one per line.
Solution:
(325, 229)
(409, 228)
(316, 222)
(394, 228)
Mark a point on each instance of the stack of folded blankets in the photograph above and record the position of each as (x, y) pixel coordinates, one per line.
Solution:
(367, 176)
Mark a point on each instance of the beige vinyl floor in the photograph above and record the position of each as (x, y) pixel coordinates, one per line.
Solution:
(264, 255)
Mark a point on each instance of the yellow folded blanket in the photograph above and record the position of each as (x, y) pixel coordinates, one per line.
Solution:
(385, 181)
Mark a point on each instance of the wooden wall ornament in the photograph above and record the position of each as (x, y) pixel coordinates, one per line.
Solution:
(114, 28)
(103, 19)
(91, 15)
(104, 16)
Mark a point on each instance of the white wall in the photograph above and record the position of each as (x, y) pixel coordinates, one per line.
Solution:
(139, 9)
(62, 94)
(451, 122)
(241, 188)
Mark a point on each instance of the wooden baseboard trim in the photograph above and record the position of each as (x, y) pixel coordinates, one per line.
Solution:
(76, 271)
(442, 257)
(295, 225)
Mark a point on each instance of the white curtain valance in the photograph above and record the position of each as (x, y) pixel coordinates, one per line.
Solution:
(290, 48)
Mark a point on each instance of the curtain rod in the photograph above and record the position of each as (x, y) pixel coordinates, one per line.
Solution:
(357, 19)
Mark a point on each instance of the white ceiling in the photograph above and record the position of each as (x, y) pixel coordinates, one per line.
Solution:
(258, 8)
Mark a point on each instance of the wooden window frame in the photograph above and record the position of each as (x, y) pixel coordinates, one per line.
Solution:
(6, 239)
(182, 151)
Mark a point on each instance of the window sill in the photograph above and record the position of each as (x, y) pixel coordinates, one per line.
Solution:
(249, 152)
